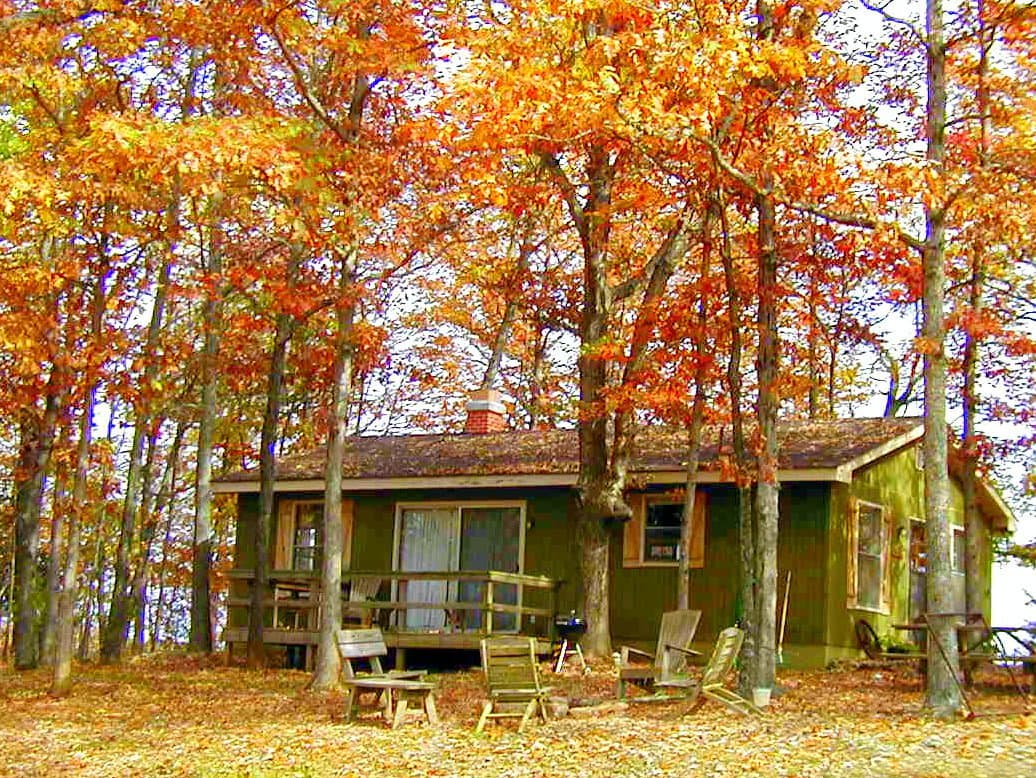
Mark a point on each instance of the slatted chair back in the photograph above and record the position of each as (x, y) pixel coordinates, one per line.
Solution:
(513, 677)
(676, 631)
(366, 644)
(510, 663)
(728, 646)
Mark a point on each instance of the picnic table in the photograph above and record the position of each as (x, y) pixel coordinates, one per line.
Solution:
(974, 638)
(1010, 639)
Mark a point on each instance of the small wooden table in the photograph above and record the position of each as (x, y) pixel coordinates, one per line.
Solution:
(398, 693)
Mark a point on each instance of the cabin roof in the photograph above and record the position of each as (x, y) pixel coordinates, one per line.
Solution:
(818, 451)
(817, 447)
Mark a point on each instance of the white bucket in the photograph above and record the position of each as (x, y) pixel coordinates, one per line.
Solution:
(761, 697)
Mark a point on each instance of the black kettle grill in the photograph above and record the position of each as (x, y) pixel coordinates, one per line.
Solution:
(570, 628)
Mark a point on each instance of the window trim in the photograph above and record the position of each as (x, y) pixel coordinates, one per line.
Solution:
(637, 526)
(884, 580)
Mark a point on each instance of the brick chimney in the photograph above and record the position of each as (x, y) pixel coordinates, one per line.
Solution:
(486, 412)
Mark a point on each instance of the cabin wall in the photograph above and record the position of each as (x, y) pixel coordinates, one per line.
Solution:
(549, 535)
(896, 483)
(804, 511)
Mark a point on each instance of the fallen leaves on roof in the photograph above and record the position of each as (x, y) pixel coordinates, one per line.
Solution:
(804, 445)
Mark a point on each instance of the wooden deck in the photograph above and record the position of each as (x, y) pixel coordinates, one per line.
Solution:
(291, 606)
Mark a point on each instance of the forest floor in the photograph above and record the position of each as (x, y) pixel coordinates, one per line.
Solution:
(170, 714)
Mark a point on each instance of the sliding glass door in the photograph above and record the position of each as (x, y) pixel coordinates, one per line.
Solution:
(461, 537)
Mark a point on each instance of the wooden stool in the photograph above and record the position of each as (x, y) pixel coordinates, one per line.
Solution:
(403, 691)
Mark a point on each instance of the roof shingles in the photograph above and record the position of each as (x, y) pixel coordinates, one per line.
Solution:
(804, 445)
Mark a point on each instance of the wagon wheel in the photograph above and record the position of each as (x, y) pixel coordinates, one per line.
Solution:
(868, 639)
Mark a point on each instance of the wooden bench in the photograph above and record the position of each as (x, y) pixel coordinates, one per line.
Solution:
(394, 690)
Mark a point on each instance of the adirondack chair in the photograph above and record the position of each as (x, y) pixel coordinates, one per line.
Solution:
(670, 658)
(711, 684)
(513, 677)
(402, 685)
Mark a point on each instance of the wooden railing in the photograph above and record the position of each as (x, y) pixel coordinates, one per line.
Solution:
(294, 598)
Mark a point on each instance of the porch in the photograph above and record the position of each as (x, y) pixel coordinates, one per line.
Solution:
(444, 610)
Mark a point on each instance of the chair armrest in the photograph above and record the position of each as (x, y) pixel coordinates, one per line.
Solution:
(406, 674)
(626, 651)
(688, 651)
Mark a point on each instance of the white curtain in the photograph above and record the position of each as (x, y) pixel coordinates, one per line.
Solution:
(428, 541)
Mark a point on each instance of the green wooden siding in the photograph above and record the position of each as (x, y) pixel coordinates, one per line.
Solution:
(640, 594)
(897, 483)
(813, 546)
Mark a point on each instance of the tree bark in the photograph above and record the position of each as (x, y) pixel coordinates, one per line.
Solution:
(138, 582)
(943, 695)
(201, 558)
(768, 487)
(746, 529)
(54, 567)
(61, 682)
(116, 628)
(976, 535)
(284, 327)
(328, 663)
(694, 434)
(37, 446)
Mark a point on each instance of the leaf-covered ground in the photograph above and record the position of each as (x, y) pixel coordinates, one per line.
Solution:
(173, 715)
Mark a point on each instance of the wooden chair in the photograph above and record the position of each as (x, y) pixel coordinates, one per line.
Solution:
(669, 661)
(394, 689)
(712, 683)
(361, 590)
(513, 677)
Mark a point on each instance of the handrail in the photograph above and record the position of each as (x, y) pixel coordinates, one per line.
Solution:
(309, 581)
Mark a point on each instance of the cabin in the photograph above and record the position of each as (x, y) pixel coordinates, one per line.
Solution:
(450, 537)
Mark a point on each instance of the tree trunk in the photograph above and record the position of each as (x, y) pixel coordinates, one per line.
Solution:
(768, 488)
(201, 567)
(683, 578)
(59, 507)
(37, 446)
(328, 663)
(155, 505)
(746, 529)
(138, 586)
(167, 543)
(61, 684)
(683, 582)
(115, 630)
(284, 327)
(94, 606)
(976, 552)
(943, 694)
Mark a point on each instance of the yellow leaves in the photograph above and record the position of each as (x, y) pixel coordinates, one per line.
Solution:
(609, 79)
(170, 714)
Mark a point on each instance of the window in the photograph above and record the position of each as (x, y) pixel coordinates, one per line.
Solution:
(307, 542)
(652, 536)
(662, 524)
(299, 539)
(959, 548)
(868, 557)
(918, 547)
(449, 537)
